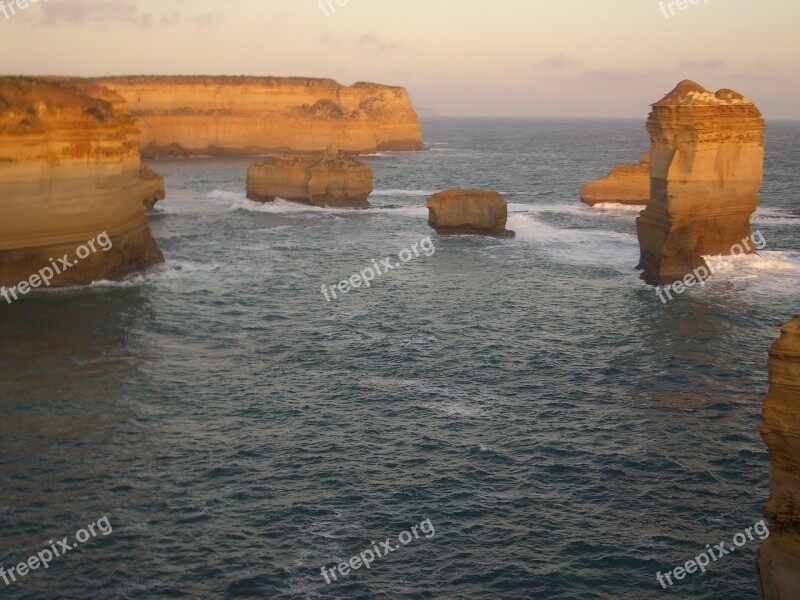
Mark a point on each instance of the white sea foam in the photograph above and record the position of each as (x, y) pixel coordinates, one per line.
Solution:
(410, 193)
(617, 207)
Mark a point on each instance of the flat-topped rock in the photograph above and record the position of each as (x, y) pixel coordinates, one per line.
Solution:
(627, 184)
(477, 212)
(332, 179)
(706, 166)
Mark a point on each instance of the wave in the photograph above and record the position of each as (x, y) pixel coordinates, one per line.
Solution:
(775, 216)
(617, 207)
(409, 193)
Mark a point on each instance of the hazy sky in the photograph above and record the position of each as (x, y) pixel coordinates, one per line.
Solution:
(609, 58)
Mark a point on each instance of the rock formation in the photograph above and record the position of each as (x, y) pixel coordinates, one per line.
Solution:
(707, 160)
(334, 179)
(69, 172)
(468, 212)
(778, 559)
(260, 115)
(152, 186)
(627, 184)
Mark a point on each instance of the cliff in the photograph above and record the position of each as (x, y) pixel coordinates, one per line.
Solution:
(455, 212)
(625, 185)
(69, 172)
(333, 179)
(152, 186)
(778, 559)
(259, 115)
(707, 159)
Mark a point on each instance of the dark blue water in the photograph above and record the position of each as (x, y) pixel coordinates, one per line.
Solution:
(567, 434)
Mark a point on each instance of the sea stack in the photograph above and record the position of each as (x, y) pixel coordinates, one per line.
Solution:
(627, 184)
(706, 163)
(778, 559)
(477, 212)
(69, 172)
(262, 115)
(333, 179)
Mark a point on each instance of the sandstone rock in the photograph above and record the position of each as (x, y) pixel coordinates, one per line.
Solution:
(778, 559)
(625, 185)
(468, 212)
(259, 115)
(334, 179)
(707, 160)
(152, 186)
(69, 171)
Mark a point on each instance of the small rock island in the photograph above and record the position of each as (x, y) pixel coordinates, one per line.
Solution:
(475, 212)
(333, 179)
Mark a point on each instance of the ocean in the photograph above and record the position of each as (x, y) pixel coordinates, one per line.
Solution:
(561, 431)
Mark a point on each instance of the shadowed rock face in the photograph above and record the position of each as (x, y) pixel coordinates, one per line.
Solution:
(625, 185)
(455, 212)
(152, 186)
(333, 179)
(259, 115)
(707, 160)
(69, 171)
(778, 559)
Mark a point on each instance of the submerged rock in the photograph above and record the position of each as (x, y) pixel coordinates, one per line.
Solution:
(778, 559)
(707, 159)
(627, 184)
(469, 212)
(334, 179)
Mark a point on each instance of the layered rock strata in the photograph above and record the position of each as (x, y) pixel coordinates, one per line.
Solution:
(706, 160)
(455, 212)
(627, 184)
(260, 115)
(69, 172)
(778, 559)
(333, 179)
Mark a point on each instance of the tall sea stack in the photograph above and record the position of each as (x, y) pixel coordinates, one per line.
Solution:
(778, 560)
(70, 172)
(706, 163)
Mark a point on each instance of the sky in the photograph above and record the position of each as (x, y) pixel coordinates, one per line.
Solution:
(553, 58)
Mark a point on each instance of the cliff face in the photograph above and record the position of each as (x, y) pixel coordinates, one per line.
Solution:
(333, 179)
(778, 560)
(456, 212)
(707, 160)
(257, 115)
(625, 185)
(69, 171)
(152, 186)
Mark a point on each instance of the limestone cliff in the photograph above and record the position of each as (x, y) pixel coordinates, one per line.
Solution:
(778, 560)
(152, 186)
(627, 184)
(468, 212)
(707, 158)
(334, 179)
(69, 171)
(258, 115)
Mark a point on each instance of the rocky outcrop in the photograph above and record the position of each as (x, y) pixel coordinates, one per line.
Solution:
(778, 559)
(260, 115)
(627, 184)
(707, 160)
(334, 179)
(69, 172)
(479, 212)
(152, 186)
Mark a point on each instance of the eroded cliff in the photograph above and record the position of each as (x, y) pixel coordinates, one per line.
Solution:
(257, 115)
(69, 172)
(706, 163)
(778, 559)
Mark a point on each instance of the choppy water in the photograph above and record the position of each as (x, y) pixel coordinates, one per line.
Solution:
(567, 434)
